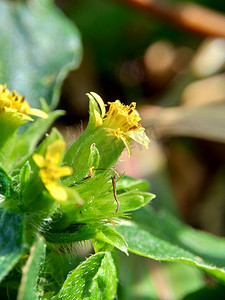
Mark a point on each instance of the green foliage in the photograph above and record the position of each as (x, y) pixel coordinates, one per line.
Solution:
(31, 271)
(94, 279)
(162, 237)
(108, 236)
(11, 240)
(38, 48)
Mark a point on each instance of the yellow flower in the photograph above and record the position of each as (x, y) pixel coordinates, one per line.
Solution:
(11, 102)
(50, 173)
(120, 120)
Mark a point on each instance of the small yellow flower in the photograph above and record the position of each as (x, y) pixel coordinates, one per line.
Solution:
(121, 120)
(50, 173)
(11, 102)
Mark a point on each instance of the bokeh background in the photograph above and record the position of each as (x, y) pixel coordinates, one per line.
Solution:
(174, 70)
(169, 57)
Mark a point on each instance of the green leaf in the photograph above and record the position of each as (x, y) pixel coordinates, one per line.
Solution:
(11, 240)
(9, 122)
(48, 296)
(128, 201)
(93, 279)
(75, 233)
(134, 200)
(128, 184)
(82, 165)
(93, 160)
(24, 176)
(108, 235)
(5, 184)
(93, 110)
(162, 237)
(39, 46)
(31, 270)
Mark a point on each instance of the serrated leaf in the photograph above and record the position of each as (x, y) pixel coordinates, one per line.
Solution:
(28, 286)
(39, 45)
(11, 240)
(162, 237)
(93, 279)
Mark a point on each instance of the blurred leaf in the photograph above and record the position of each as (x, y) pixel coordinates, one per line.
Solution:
(28, 287)
(181, 278)
(11, 240)
(93, 279)
(209, 58)
(49, 139)
(207, 293)
(162, 237)
(39, 46)
(205, 122)
(135, 280)
(208, 91)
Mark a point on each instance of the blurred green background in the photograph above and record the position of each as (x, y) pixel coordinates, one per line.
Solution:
(176, 76)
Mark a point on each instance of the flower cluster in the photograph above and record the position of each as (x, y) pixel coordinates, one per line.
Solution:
(11, 102)
(120, 120)
(61, 184)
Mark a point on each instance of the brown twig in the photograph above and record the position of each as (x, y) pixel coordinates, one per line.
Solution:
(113, 178)
(189, 16)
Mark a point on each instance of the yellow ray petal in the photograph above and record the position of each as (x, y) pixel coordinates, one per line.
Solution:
(57, 192)
(39, 160)
(64, 171)
(55, 151)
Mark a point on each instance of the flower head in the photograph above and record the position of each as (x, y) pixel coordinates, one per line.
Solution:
(11, 102)
(50, 173)
(121, 121)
